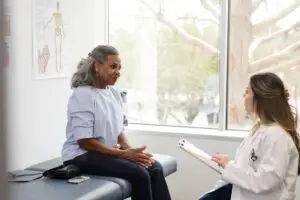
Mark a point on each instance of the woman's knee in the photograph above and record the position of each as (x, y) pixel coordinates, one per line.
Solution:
(156, 168)
(141, 174)
(207, 196)
(157, 165)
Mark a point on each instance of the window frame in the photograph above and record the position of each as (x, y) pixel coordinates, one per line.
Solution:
(222, 129)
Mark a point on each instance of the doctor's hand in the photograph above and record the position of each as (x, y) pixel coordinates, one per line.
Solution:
(221, 159)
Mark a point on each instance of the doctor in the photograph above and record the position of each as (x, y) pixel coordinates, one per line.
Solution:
(266, 164)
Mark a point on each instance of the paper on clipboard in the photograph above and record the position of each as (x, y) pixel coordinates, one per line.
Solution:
(199, 154)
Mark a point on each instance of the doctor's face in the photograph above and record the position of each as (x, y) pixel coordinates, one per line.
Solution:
(248, 100)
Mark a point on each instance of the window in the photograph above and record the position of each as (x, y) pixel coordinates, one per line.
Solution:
(171, 53)
(264, 36)
(170, 58)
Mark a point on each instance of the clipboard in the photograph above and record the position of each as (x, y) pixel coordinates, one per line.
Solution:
(199, 154)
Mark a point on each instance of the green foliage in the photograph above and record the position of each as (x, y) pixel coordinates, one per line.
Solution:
(183, 70)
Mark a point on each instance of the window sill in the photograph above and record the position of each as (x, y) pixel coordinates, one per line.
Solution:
(186, 132)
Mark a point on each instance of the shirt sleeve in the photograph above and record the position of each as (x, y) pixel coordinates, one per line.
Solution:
(81, 114)
(117, 94)
(271, 169)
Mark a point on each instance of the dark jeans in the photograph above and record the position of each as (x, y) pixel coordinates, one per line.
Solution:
(223, 193)
(147, 184)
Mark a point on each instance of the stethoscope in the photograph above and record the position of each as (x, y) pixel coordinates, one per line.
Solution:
(253, 156)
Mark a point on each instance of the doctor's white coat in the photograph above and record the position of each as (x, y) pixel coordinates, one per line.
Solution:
(265, 166)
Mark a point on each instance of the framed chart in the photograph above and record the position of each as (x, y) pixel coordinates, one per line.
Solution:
(50, 54)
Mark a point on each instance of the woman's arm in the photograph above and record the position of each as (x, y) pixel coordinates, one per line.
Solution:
(81, 119)
(136, 155)
(123, 141)
(271, 170)
(90, 144)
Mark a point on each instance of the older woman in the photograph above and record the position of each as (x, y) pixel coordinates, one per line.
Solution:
(95, 129)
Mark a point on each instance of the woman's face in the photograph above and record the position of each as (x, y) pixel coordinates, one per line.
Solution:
(248, 100)
(109, 72)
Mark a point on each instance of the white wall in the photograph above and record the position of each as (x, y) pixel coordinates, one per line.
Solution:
(37, 109)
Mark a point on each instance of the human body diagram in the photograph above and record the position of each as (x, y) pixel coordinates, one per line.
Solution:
(59, 34)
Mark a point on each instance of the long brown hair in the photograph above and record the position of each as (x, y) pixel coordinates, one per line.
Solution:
(271, 101)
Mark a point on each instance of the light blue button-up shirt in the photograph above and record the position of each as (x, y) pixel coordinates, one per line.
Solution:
(92, 113)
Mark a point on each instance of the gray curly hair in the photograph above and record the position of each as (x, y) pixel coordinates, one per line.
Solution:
(85, 74)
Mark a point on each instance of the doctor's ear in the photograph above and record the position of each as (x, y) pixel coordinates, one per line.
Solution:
(254, 101)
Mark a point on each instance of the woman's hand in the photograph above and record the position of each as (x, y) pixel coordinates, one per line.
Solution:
(139, 156)
(221, 159)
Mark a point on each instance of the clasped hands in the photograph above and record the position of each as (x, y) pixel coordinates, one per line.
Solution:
(139, 156)
(221, 159)
(144, 159)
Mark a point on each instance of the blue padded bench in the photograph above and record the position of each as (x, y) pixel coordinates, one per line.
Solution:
(97, 188)
(49, 189)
